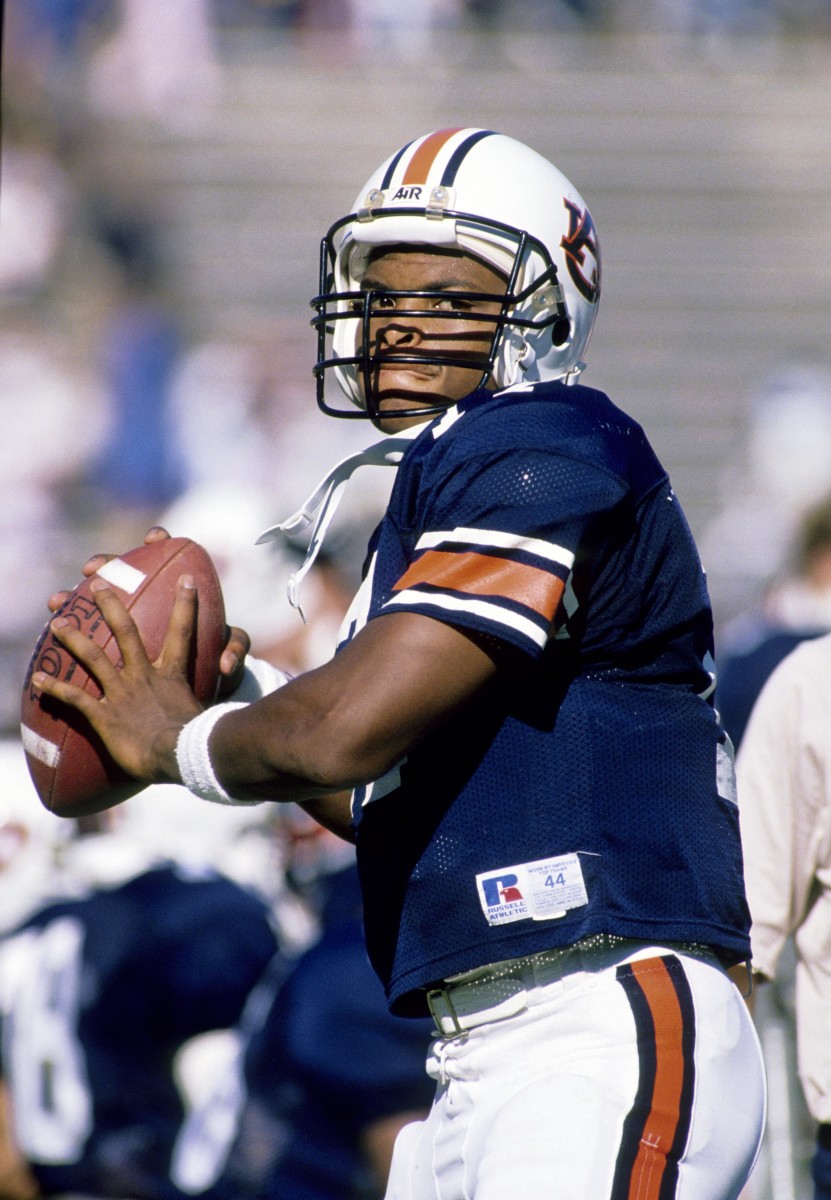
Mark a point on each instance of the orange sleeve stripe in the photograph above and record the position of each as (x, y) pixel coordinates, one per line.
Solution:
(419, 165)
(665, 1114)
(487, 575)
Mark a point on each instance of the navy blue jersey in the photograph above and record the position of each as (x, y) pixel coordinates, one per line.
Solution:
(590, 790)
(322, 1059)
(98, 994)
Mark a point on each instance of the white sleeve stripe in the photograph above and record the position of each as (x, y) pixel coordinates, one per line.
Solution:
(480, 608)
(500, 539)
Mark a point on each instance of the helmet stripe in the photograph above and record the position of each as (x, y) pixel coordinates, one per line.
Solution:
(419, 166)
(458, 156)
(394, 161)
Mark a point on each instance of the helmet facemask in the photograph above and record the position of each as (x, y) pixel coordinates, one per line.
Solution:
(532, 314)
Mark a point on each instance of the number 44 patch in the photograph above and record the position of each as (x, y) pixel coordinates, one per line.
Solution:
(535, 891)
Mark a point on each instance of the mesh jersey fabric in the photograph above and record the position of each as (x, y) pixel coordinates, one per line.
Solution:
(540, 519)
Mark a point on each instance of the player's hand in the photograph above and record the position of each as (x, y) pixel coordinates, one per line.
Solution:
(237, 646)
(144, 704)
(232, 660)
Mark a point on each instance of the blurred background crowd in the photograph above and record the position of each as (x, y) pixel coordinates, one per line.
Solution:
(168, 168)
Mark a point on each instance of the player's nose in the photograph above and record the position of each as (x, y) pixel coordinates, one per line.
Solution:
(397, 333)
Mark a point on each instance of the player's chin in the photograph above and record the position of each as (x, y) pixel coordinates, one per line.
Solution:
(398, 405)
(394, 415)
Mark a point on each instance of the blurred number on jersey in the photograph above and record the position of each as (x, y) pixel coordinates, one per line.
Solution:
(43, 1062)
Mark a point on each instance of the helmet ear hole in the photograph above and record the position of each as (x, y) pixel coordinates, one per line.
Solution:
(560, 331)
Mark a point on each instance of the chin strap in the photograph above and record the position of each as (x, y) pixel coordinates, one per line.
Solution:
(326, 497)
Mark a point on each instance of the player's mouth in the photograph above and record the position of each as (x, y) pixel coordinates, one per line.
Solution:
(412, 385)
(407, 381)
(393, 365)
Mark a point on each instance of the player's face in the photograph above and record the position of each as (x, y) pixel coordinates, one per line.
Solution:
(437, 326)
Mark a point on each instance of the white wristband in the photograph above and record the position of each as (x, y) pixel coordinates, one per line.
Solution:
(194, 759)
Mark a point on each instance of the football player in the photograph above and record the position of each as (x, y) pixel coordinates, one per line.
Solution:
(100, 990)
(544, 803)
(326, 1075)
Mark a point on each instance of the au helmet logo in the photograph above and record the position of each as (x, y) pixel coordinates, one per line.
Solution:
(582, 237)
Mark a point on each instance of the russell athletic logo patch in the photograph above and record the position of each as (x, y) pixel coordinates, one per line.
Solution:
(534, 891)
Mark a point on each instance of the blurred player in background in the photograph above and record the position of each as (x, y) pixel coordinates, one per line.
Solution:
(544, 802)
(123, 958)
(784, 772)
(326, 1075)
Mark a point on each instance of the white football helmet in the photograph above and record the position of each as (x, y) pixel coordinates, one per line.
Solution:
(492, 197)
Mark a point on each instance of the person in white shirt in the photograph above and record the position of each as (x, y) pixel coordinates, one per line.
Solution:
(784, 790)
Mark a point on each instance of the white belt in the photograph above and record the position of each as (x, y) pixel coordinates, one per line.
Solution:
(501, 990)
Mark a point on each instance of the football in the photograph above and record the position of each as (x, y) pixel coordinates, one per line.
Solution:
(72, 771)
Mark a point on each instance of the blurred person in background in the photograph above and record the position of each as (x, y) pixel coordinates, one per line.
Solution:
(796, 606)
(325, 1076)
(47, 392)
(713, 20)
(43, 403)
(159, 62)
(784, 790)
(404, 32)
(780, 471)
(47, 44)
(117, 958)
(140, 464)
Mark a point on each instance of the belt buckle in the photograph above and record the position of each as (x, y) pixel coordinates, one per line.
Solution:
(443, 994)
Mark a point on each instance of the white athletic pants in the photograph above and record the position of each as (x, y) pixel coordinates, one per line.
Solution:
(642, 1080)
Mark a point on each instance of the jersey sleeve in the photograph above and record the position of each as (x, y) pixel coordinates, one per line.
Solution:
(497, 541)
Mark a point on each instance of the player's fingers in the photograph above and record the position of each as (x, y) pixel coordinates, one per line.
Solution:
(122, 625)
(86, 651)
(67, 693)
(180, 628)
(232, 660)
(156, 533)
(57, 599)
(95, 563)
(237, 646)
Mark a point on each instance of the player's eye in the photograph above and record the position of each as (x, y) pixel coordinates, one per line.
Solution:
(378, 301)
(451, 303)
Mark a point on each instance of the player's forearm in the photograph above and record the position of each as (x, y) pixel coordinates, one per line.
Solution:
(293, 745)
(345, 723)
(242, 759)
